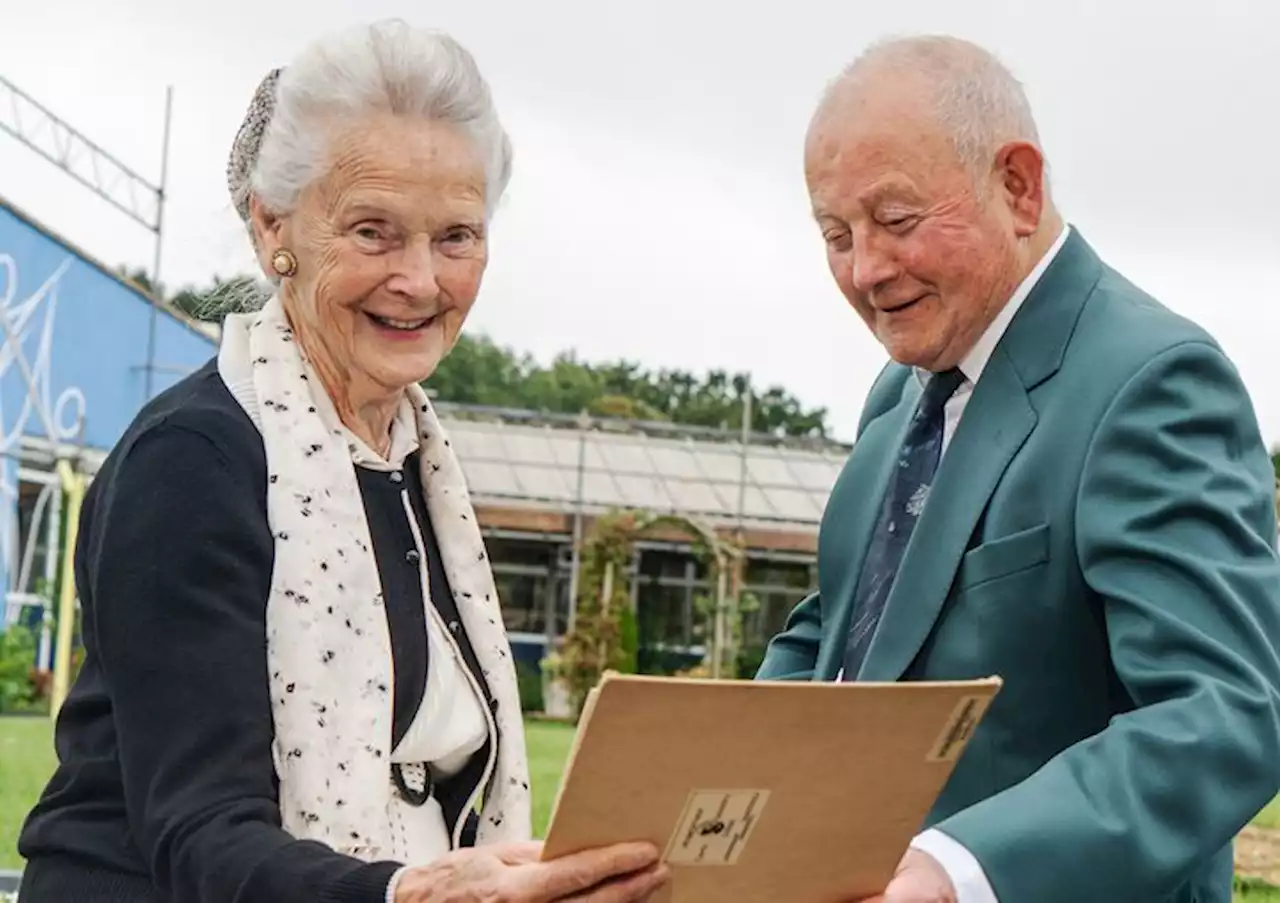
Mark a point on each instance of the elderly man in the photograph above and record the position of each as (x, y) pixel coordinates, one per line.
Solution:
(1056, 480)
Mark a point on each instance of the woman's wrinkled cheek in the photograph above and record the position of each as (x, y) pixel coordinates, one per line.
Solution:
(324, 329)
(455, 319)
(337, 326)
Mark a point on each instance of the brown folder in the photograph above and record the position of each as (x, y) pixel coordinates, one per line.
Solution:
(777, 792)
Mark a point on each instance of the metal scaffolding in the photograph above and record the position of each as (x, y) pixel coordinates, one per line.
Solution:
(43, 131)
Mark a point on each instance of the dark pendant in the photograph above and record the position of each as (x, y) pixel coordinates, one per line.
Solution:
(409, 794)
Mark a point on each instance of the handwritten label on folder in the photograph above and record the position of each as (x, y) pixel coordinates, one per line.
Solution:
(714, 826)
(959, 728)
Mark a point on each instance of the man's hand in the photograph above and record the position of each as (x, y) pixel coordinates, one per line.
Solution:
(919, 879)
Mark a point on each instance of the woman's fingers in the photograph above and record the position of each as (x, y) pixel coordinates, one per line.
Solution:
(637, 887)
(518, 853)
(576, 876)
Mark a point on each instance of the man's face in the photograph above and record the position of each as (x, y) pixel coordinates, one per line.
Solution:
(925, 253)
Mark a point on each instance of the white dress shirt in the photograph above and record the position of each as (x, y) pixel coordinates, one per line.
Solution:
(964, 870)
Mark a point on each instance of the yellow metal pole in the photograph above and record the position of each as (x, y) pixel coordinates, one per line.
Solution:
(73, 489)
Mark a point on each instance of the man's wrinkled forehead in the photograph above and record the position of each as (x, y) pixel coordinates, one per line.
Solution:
(889, 140)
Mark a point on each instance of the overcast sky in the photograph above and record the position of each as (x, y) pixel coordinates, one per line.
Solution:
(658, 210)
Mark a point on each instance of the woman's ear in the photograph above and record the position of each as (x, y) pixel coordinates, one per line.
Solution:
(268, 229)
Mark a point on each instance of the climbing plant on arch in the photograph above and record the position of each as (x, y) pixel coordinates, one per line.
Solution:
(598, 640)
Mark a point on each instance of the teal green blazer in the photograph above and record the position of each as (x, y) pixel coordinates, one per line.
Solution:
(1101, 534)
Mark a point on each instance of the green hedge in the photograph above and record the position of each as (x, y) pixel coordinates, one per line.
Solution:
(18, 692)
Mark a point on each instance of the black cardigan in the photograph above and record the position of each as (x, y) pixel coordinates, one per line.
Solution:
(166, 790)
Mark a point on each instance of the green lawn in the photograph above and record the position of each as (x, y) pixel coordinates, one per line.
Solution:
(26, 759)
(549, 744)
(1252, 892)
(1270, 816)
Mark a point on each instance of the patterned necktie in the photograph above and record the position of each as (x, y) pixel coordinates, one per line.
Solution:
(903, 501)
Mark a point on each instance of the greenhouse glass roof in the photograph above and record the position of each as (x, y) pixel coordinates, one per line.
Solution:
(514, 463)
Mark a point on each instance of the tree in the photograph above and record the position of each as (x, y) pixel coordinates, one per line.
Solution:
(139, 277)
(189, 300)
(478, 371)
(1275, 462)
(621, 406)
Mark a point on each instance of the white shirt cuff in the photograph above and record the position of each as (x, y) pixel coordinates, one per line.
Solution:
(395, 882)
(961, 866)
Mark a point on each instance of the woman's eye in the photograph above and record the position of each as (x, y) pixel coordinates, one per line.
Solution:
(369, 233)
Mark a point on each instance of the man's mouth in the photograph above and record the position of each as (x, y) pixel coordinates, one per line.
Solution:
(898, 308)
(402, 325)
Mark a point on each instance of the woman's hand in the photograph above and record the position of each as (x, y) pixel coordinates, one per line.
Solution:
(513, 873)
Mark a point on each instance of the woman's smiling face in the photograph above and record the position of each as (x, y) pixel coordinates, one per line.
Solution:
(391, 251)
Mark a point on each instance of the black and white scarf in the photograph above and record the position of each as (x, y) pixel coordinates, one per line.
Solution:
(328, 643)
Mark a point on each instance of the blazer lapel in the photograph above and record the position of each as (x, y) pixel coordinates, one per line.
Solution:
(996, 422)
(850, 521)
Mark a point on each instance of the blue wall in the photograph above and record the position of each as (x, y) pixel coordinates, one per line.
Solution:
(84, 335)
(80, 335)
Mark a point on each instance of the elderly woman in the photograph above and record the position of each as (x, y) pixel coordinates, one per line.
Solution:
(297, 686)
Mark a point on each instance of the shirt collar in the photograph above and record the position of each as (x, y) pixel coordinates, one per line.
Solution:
(973, 363)
(404, 442)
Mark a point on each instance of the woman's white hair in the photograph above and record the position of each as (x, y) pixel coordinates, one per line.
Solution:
(388, 66)
(384, 67)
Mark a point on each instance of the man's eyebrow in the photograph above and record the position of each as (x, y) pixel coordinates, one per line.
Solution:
(889, 190)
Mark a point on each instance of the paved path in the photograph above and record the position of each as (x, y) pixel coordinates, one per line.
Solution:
(9, 882)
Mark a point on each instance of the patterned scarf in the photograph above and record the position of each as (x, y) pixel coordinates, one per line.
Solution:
(328, 643)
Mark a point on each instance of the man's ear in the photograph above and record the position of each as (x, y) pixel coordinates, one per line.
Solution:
(1019, 171)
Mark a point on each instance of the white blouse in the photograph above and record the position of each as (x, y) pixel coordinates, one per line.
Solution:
(450, 725)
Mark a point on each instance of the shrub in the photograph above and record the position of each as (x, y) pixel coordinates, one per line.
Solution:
(529, 679)
(19, 691)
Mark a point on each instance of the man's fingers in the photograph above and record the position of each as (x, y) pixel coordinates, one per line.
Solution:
(579, 872)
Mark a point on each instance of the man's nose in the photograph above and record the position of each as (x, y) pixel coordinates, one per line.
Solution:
(873, 265)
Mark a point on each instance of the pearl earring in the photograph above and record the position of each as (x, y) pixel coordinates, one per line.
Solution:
(284, 262)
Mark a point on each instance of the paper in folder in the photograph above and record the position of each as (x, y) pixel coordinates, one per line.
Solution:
(777, 792)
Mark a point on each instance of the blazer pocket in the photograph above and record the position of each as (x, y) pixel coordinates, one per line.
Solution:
(1004, 556)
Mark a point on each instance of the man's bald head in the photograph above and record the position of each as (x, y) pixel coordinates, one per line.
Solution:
(964, 88)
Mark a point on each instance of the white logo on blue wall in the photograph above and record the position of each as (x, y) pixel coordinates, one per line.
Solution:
(26, 358)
